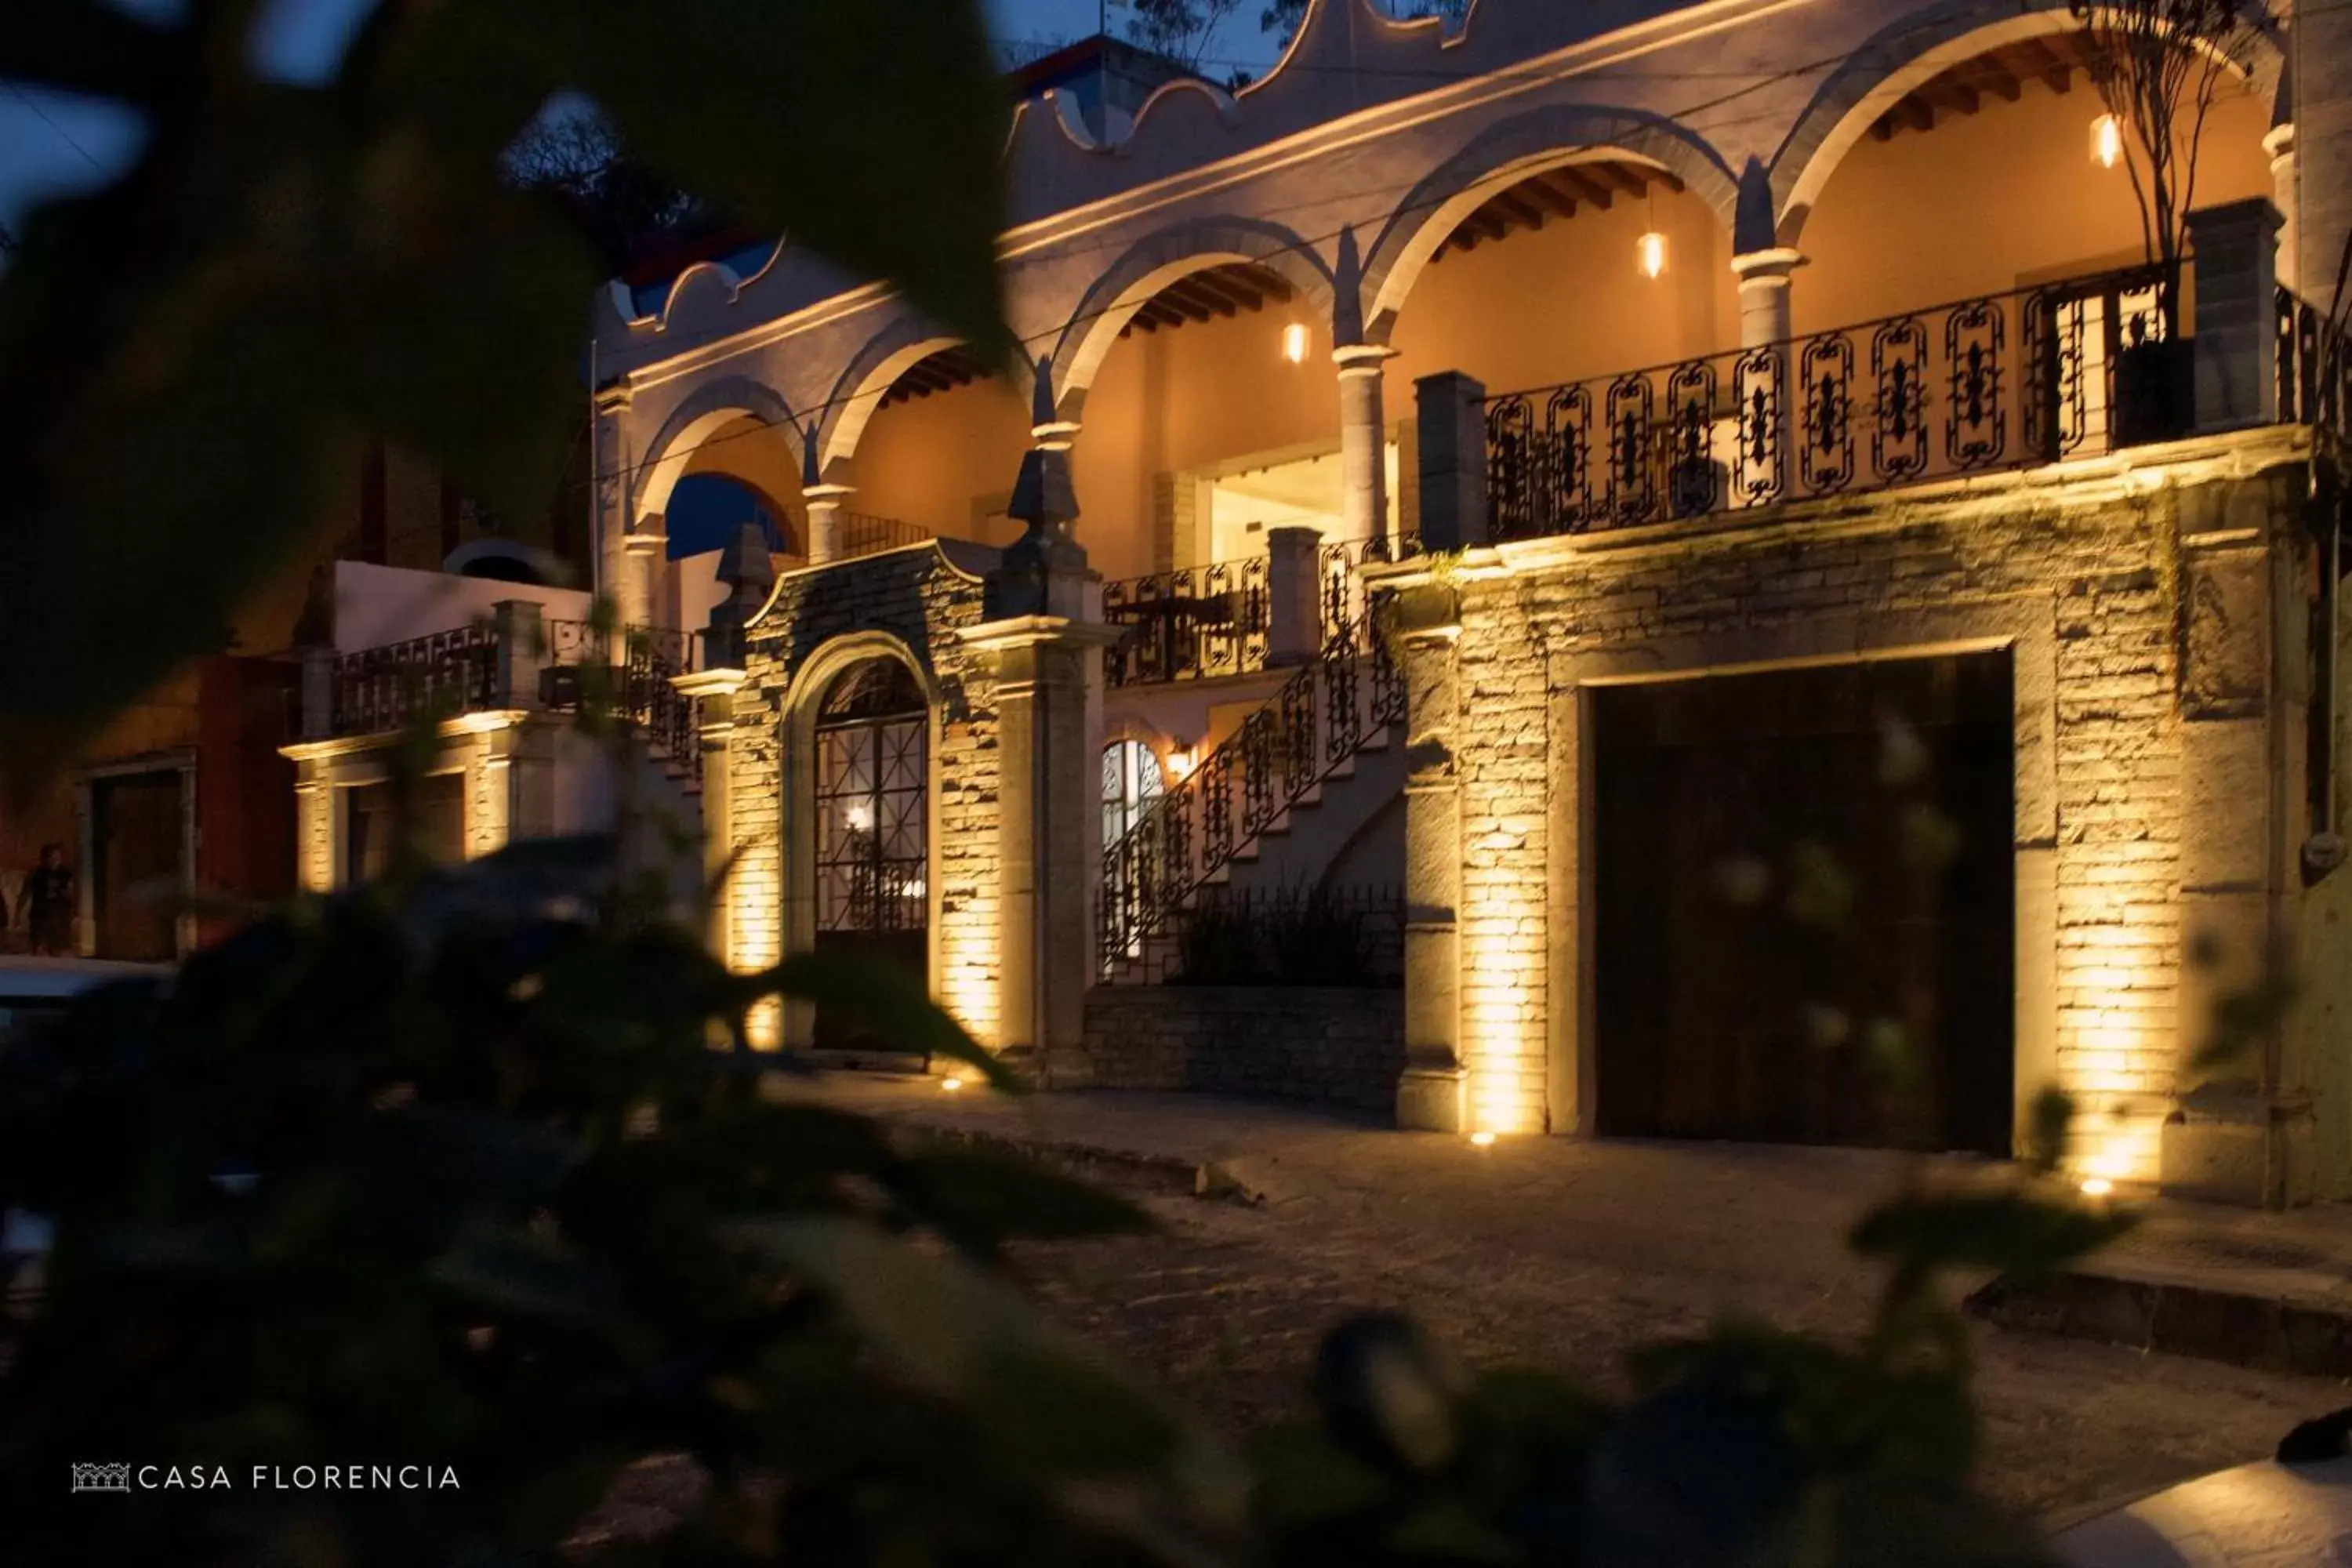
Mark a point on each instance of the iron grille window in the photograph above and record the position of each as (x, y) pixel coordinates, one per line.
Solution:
(873, 846)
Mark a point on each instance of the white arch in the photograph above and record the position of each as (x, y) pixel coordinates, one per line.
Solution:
(1917, 49)
(1508, 151)
(1153, 263)
(891, 353)
(707, 410)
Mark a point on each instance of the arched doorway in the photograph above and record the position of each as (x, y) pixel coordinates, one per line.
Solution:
(872, 830)
(1131, 782)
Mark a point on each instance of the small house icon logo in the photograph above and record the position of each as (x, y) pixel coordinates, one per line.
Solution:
(101, 1478)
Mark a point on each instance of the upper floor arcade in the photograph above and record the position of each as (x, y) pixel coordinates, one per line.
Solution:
(1221, 312)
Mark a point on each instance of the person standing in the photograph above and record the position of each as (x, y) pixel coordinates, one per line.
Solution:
(49, 903)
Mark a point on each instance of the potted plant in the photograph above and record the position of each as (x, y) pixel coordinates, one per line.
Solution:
(2159, 66)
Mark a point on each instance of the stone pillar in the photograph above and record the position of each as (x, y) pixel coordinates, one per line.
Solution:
(522, 651)
(1765, 323)
(315, 850)
(2240, 1132)
(1364, 441)
(2284, 195)
(635, 599)
(1764, 277)
(614, 484)
(1451, 423)
(1044, 638)
(2319, 37)
(715, 689)
(1294, 595)
(825, 501)
(2236, 342)
(318, 693)
(1432, 1092)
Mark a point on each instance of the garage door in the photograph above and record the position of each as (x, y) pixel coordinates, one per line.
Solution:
(1804, 891)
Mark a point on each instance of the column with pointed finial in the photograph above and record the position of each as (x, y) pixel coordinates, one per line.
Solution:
(1041, 642)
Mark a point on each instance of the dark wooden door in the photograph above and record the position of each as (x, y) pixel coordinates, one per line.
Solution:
(139, 825)
(1805, 906)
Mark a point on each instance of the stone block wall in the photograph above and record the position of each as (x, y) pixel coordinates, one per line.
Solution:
(2080, 573)
(1327, 1046)
(915, 602)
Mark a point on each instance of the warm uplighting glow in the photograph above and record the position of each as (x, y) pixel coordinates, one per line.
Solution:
(1649, 253)
(1180, 763)
(1293, 342)
(1482, 1140)
(951, 1084)
(2097, 1187)
(2107, 140)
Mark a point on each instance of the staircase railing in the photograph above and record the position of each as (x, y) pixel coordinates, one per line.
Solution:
(643, 693)
(1320, 718)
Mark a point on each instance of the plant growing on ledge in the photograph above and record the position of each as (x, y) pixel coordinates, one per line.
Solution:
(2159, 65)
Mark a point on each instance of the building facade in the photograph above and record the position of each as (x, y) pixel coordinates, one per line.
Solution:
(1883, 669)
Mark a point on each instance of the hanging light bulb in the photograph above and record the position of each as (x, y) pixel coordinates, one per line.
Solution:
(1650, 255)
(1293, 342)
(2107, 140)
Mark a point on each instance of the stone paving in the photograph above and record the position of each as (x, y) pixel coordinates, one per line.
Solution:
(1564, 1255)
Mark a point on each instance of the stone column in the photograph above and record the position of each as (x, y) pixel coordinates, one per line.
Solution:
(1043, 636)
(1294, 586)
(315, 851)
(1364, 441)
(715, 689)
(2236, 342)
(2285, 176)
(614, 484)
(1450, 420)
(1432, 1092)
(523, 650)
(1764, 277)
(1765, 323)
(318, 693)
(824, 499)
(634, 600)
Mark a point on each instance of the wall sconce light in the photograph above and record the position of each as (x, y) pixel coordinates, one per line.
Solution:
(1293, 342)
(1650, 255)
(1180, 762)
(2107, 140)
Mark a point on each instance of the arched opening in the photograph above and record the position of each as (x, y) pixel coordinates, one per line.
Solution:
(744, 470)
(1208, 422)
(1994, 145)
(1621, 262)
(870, 842)
(935, 455)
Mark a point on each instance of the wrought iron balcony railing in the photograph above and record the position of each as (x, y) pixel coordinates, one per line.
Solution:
(1189, 624)
(2009, 381)
(383, 688)
(862, 535)
(2314, 368)
(642, 691)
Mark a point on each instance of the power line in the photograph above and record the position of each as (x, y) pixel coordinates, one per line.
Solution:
(34, 105)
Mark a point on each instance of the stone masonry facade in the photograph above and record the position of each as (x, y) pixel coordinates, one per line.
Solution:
(1319, 1044)
(913, 604)
(2104, 580)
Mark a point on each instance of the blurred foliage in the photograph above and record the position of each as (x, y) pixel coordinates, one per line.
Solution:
(474, 1168)
(190, 357)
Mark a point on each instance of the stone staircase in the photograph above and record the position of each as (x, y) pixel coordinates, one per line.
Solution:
(1272, 807)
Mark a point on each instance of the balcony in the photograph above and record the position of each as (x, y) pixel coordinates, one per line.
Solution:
(1237, 618)
(514, 660)
(2081, 368)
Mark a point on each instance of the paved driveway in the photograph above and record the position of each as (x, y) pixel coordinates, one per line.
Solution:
(1562, 1254)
